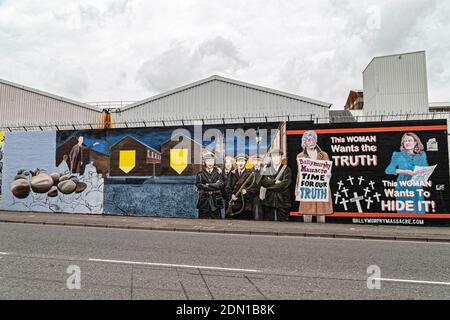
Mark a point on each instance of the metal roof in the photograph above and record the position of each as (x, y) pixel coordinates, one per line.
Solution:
(137, 140)
(392, 55)
(231, 81)
(49, 95)
(184, 137)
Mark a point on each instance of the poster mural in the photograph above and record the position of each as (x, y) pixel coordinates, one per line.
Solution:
(138, 171)
(393, 172)
(154, 171)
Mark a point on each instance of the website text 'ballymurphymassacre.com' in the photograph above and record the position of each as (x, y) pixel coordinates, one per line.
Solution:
(388, 221)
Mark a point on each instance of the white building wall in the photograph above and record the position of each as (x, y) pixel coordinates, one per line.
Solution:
(396, 84)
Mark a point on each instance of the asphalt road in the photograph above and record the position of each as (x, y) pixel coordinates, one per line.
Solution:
(131, 264)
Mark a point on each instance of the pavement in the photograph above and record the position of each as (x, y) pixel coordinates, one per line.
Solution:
(44, 262)
(295, 229)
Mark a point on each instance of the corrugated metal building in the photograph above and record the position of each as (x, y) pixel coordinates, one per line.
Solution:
(217, 98)
(24, 106)
(396, 84)
(213, 100)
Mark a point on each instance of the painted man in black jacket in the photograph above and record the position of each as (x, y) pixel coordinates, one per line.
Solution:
(209, 184)
(258, 170)
(227, 171)
(277, 201)
(242, 184)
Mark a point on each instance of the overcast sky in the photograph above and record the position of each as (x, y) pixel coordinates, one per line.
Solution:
(131, 50)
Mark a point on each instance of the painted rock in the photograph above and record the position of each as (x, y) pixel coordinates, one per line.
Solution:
(41, 183)
(53, 192)
(81, 186)
(21, 188)
(64, 178)
(55, 177)
(20, 176)
(67, 186)
(37, 172)
(23, 172)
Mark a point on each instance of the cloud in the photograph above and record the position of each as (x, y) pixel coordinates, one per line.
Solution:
(68, 77)
(361, 31)
(132, 49)
(180, 65)
(400, 20)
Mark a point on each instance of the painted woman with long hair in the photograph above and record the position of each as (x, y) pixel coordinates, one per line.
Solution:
(403, 163)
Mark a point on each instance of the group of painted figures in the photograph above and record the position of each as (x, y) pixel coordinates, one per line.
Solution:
(235, 191)
(260, 193)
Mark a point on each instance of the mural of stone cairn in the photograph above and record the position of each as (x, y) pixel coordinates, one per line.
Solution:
(39, 181)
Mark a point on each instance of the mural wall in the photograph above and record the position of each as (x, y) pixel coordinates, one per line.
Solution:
(139, 171)
(393, 173)
(33, 182)
(153, 170)
(141, 180)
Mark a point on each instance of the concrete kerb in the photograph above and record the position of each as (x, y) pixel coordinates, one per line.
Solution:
(128, 226)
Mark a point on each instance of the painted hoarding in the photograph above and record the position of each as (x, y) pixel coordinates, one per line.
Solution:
(395, 172)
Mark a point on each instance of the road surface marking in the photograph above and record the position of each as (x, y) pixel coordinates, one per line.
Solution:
(415, 281)
(173, 265)
(4, 253)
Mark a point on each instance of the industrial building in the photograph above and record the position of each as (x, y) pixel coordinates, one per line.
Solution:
(212, 100)
(392, 85)
(21, 106)
(395, 85)
(216, 98)
(439, 106)
(355, 100)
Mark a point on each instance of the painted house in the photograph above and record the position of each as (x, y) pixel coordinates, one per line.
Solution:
(195, 151)
(131, 157)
